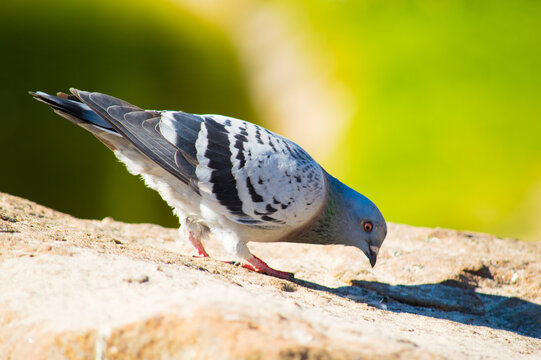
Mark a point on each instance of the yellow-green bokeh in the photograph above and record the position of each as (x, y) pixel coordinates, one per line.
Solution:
(448, 124)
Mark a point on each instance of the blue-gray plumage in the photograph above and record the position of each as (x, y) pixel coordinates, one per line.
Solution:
(228, 178)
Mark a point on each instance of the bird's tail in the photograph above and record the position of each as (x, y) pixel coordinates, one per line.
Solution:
(71, 108)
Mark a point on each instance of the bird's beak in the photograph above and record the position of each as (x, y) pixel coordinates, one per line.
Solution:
(373, 255)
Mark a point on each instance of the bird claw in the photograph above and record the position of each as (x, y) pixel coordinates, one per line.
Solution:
(196, 242)
(258, 265)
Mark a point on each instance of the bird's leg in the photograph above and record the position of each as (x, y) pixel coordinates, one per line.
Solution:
(256, 264)
(196, 242)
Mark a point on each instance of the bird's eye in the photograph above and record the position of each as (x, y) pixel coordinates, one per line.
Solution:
(367, 226)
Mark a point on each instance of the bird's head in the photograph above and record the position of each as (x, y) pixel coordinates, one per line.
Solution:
(358, 222)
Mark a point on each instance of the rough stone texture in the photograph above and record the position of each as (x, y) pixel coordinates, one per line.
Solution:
(89, 289)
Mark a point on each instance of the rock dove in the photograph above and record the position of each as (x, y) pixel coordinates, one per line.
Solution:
(228, 178)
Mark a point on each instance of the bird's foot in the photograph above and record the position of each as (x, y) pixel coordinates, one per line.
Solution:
(258, 265)
(201, 252)
(201, 255)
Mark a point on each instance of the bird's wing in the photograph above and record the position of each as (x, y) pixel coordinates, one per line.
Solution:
(259, 177)
(243, 171)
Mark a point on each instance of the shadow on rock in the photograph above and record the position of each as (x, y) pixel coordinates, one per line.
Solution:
(445, 301)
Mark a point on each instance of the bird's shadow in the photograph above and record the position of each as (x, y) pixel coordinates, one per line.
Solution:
(450, 300)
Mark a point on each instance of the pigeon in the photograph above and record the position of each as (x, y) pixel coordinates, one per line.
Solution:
(228, 179)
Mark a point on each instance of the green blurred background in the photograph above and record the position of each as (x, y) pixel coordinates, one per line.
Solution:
(438, 112)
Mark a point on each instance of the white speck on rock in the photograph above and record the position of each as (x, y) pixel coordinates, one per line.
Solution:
(514, 278)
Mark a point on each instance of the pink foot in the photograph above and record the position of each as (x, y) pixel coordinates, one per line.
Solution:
(258, 265)
(201, 253)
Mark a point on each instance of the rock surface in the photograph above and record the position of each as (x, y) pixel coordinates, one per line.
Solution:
(89, 289)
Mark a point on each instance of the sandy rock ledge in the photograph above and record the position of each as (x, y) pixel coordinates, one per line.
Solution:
(90, 289)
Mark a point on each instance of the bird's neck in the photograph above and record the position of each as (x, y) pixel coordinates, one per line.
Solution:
(324, 227)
